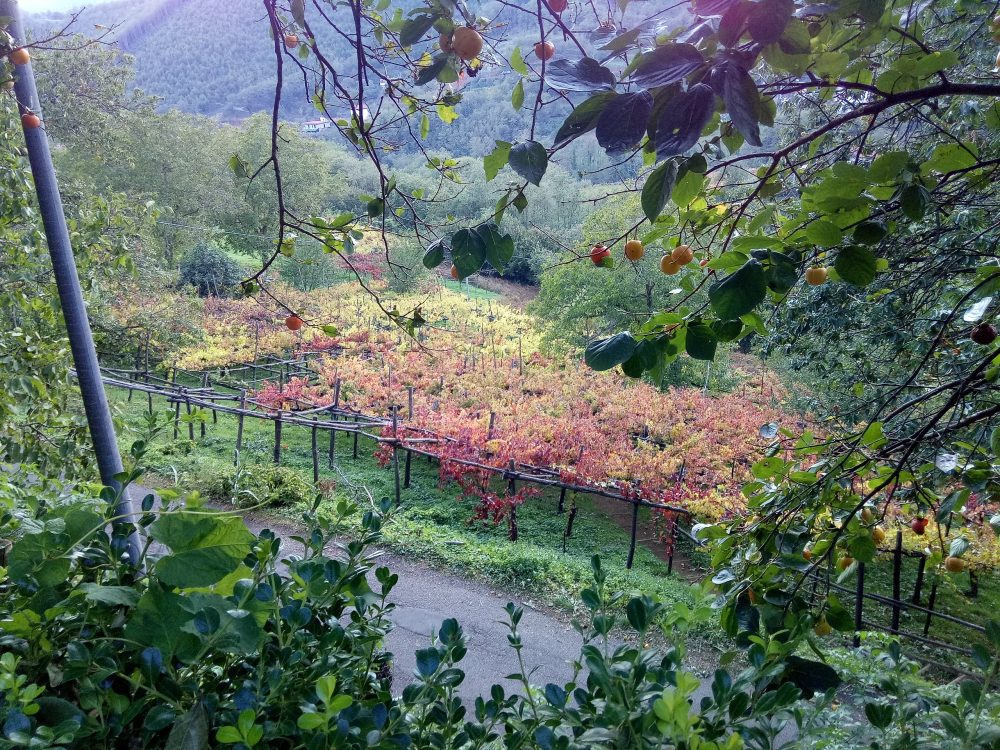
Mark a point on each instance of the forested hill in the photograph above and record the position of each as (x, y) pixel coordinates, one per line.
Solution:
(209, 58)
(216, 58)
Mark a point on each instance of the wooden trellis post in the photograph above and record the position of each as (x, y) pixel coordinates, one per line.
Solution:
(673, 546)
(859, 605)
(277, 438)
(355, 449)
(177, 418)
(406, 471)
(239, 423)
(331, 455)
(569, 522)
(204, 384)
(511, 491)
(562, 500)
(631, 545)
(395, 452)
(897, 564)
(315, 450)
(187, 403)
(919, 583)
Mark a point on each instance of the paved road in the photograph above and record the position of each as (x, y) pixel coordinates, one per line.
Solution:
(425, 596)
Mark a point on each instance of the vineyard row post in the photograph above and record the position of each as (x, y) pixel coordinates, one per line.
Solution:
(277, 438)
(859, 604)
(239, 424)
(331, 455)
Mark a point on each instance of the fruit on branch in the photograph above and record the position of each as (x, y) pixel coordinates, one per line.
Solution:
(816, 275)
(878, 535)
(682, 255)
(918, 526)
(845, 562)
(30, 121)
(807, 554)
(669, 266)
(752, 596)
(544, 50)
(823, 627)
(984, 334)
(444, 42)
(867, 514)
(598, 253)
(954, 564)
(19, 56)
(291, 41)
(294, 322)
(558, 6)
(454, 272)
(634, 250)
(467, 43)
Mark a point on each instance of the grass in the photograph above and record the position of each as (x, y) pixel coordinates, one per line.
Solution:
(433, 523)
(470, 291)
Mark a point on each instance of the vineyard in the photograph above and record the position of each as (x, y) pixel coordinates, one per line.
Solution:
(474, 387)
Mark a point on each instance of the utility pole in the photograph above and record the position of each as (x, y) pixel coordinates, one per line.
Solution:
(81, 340)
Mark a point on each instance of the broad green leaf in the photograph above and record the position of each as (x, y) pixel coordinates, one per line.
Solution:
(467, 252)
(498, 248)
(667, 64)
(740, 292)
(584, 117)
(585, 74)
(658, 188)
(204, 548)
(824, 233)
(529, 160)
(517, 95)
(605, 354)
(887, 166)
(434, 256)
(517, 63)
(951, 157)
(415, 28)
(496, 160)
(742, 101)
(701, 342)
(622, 124)
(682, 120)
(687, 189)
(768, 19)
(856, 265)
(114, 595)
(190, 731)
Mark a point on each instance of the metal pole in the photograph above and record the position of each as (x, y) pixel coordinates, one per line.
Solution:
(81, 340)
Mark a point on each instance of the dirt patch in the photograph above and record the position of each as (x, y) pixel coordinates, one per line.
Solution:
(514, 294)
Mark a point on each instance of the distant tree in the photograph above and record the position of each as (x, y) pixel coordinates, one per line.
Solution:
(210, 271)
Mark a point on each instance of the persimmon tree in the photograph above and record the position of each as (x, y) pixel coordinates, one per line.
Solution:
(853, 141)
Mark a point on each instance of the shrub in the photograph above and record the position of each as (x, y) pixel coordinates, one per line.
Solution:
(260, 484)
(210, 271)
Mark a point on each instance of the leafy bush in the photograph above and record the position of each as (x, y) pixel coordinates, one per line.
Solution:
(260, 484)
(211, 639)
(210, 271)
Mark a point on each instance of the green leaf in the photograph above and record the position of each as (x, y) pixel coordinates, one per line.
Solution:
(517, 95)
(425, 126)
(430, 72)
(496, 160)
(951, 157)
(116, 595)
(887, 166)
(682, 120)
(205, 548)
(914, 200)
(529, 160)
(605, 354)
(622, 124)
(434, 256)
(658, 188)
(742, 100)
(856, 265)
(701, 342)
(415, 28)
(687, 189)
(862, 547)
(228, 735)
(768, 19)
(879, 714)
(584, 117)
(585, 74)
(467, 252)
(824, 233)
(740, 292)
(498, 248)
(810, 676)
(666, 64)
(190, 731)
(517, 63)
(727, 330)
(870, 232)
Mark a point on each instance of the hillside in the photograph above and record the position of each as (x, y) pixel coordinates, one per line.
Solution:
(216, 59)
